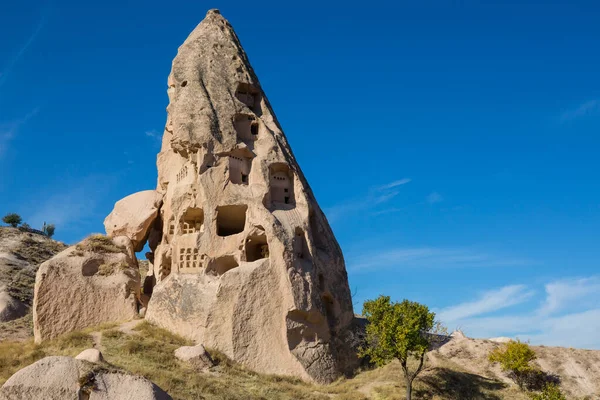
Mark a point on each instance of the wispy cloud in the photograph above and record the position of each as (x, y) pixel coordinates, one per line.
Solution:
(568, 314)
(434, 197)
(429, 257)
(9, 130)
(13, 61)
(490, 301)
(375, 196)
(394, 184)
(584, 109)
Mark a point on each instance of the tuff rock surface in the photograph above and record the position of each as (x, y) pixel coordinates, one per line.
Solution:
(133, 216)
(196, 356)
(242, 258)
(60, 378)
(86, 285)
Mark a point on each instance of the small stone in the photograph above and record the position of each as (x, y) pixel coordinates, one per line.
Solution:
(142, 312)
(91, 355)
(196, 356)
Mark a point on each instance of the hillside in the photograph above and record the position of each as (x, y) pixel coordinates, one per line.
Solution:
(21, 253)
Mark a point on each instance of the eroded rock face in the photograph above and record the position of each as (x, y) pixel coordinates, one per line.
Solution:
(133, 216)
(242, 257)
(59, 378)
(85, 285)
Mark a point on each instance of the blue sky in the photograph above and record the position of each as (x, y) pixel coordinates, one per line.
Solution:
(453, 145)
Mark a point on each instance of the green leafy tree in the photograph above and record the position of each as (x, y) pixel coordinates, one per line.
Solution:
(49, 229)
(515, 358)
(398, 331)
(12, 219)
(550, 392)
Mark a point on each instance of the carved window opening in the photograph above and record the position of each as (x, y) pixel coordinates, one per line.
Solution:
(300, 245)
(246, 127)
(281, 184)
(221, 265)
(208, 161)
(231, 219)
(189, 260)
(256, 248)
(182, 174)
(247, 94)
(239, 167)
(192, 220)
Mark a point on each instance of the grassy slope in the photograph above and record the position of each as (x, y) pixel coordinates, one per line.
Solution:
(149, 352)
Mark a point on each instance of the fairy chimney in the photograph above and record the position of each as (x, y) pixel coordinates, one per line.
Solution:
(243, 259)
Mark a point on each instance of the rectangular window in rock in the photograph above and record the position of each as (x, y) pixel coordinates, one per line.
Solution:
(231, 219)
(192, 220)
(240, 162)
(256, 248)
(246, 127)
(189, 260)
(247, 94)
(281, 182)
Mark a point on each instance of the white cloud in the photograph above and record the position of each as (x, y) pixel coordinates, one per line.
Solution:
(394, 184)
(429, 257)
(490, 301)
(375, 196)
(587, 108)
(434, 197)
(561, 294)
(568, 315)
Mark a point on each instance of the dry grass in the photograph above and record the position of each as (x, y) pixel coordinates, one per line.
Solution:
(98, 243)
(17, 329)
(16, 355)
(112, 268)
(150, 353)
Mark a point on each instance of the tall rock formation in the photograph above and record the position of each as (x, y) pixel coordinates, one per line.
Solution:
(244, 260)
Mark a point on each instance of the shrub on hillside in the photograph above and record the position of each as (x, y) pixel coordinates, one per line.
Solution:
(515, 358)
(12, 219)
(550, 392)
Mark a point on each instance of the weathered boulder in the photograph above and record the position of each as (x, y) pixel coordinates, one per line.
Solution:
(60, 378)
(85, 285)
(91, 355)
(243, 259)
(133, 217)
(195, 356)
(10, 308)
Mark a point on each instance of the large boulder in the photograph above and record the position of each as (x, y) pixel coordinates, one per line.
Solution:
(88, 284)
(61, 378)
(243, 259)
(133, 216)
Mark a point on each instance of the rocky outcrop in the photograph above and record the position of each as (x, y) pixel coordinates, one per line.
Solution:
(91, 355)
(133, 216)
(59, 378)
(242, 258)
(88, 284)
(21, 253)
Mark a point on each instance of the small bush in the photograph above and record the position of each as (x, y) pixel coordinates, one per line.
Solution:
(514, 358)
(550, 392)
(49, 229)
(12, 219)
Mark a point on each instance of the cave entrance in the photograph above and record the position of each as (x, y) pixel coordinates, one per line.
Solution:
(231, 219)
(256, 247)
(240, 162)
(221, 265)
(247, 94)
